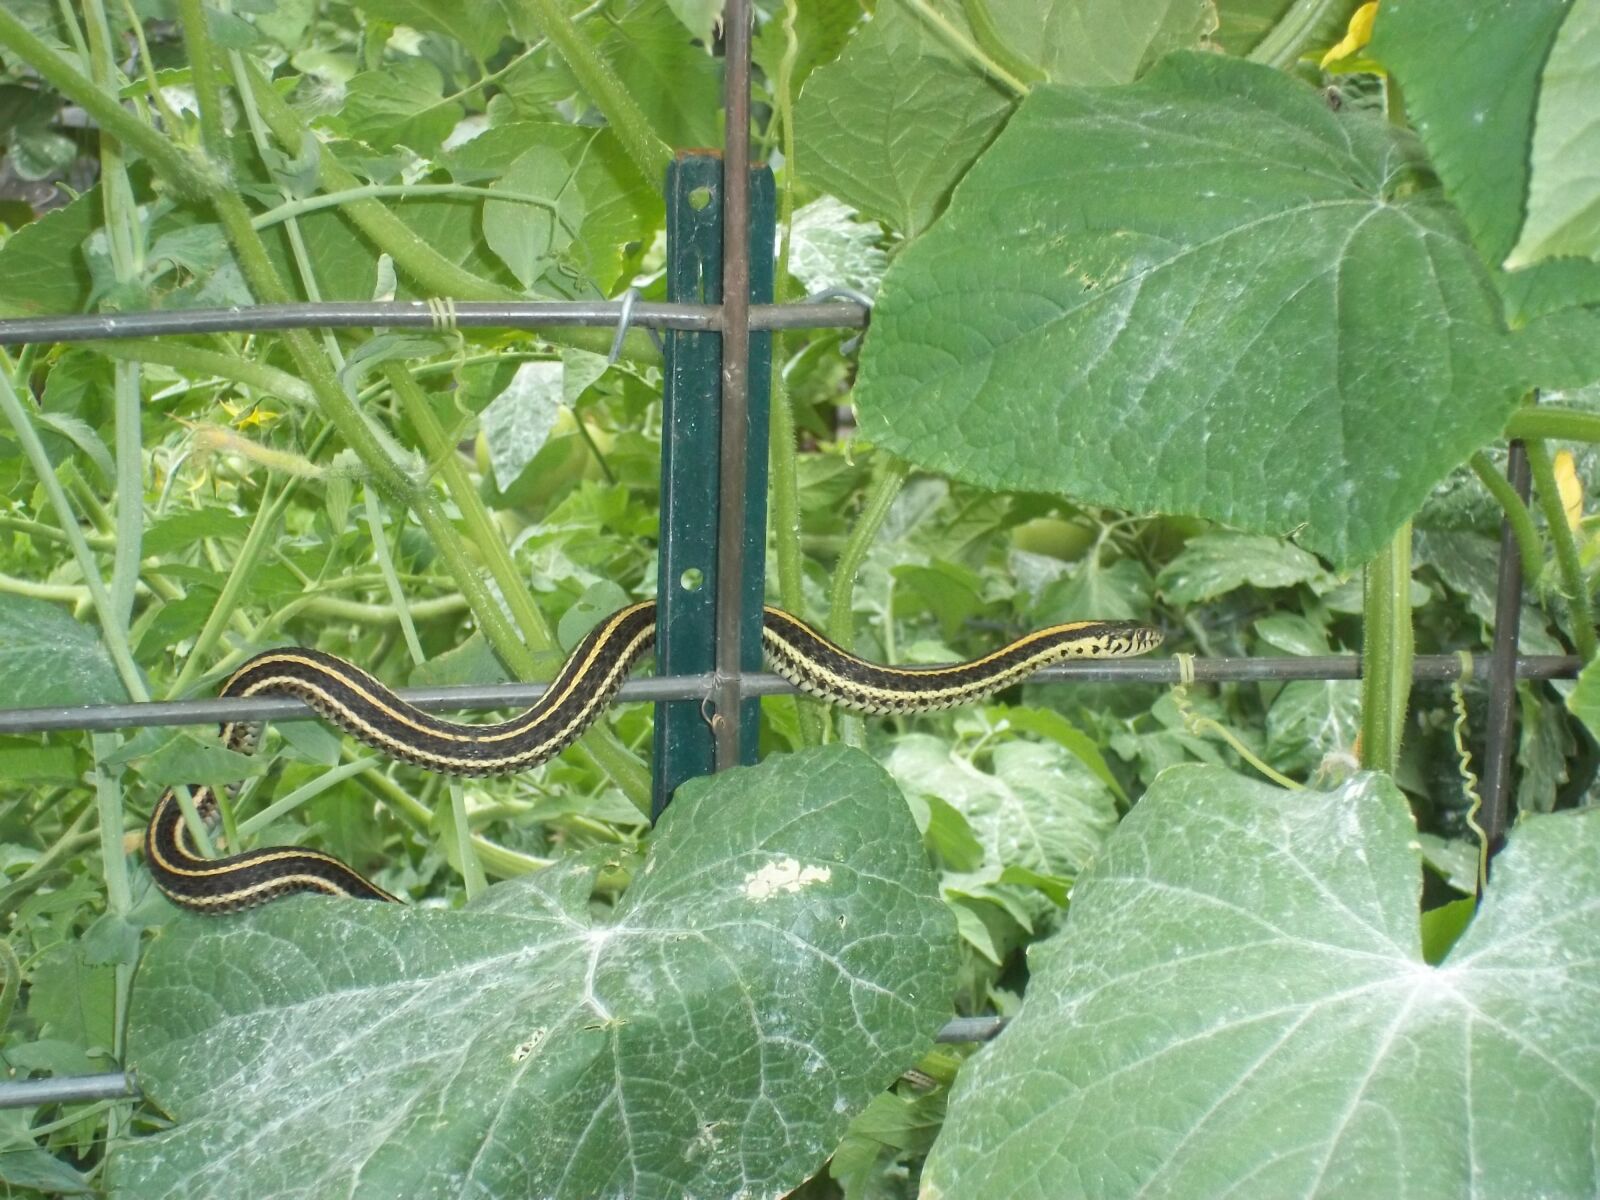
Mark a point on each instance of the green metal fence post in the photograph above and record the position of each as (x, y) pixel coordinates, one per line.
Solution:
(691, 426)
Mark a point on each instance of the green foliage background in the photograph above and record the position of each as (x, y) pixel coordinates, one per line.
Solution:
(1174, 324)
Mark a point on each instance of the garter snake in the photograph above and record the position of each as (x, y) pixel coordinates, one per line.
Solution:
(345, 695)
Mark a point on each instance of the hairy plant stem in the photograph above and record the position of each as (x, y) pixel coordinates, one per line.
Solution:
(1574, 587)
(1281, 46)
(49, 532)
(428, 269)
(498, 860)
(482, 533)
(988, 37)
(114, 632)
(1386, 653)
(124, 239)
(319, 375)
(886, 483)
(1516, 514)
(376, 191)
(244, 566)
(1546, 421)
(784, 453)
(600, 83)
(517, 653)
(967, 48)
(193, 361)
(119, 891)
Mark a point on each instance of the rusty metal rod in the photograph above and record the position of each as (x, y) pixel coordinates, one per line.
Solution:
(733, 445)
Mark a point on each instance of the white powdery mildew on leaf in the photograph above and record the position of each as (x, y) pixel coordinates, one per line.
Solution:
(1080, 321)
(691, 1044)
(47, 657)
(1238, 1005)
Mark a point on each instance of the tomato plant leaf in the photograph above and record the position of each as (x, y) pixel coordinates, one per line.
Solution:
(46, 657)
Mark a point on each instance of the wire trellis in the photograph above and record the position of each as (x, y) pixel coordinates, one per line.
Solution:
(734, 319)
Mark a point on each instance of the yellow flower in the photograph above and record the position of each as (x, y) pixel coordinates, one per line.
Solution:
(254, 417)
(1570, 487)
(1356, 35)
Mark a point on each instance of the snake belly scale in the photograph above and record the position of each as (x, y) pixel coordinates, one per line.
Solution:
(348, 697)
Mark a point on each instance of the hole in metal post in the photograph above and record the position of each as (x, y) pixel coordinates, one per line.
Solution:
(692, 579)
(700, 198)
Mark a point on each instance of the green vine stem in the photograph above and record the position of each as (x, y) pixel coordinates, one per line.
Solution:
(1574, 587)
(784, 452)
(377, 191)
(50, 533)
(124, 238)
(412, 254)
(516, 652)
(193, 361)
(481, 531)
(1386, 653)
(244, 567)
(318, 373)
(460, 827)
(372, 505)
(500, 861)
(110, 629)
(988, 37)
(119, 892)
(1549, 421)
(1517, 515)
(600, 83)
(1284, 41)
(11, 986)
(967, 48)
(431, 271)
(885, 486)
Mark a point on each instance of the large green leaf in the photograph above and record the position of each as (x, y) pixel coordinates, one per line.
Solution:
(1471, 80)
(781, 957)
(46, 657)
(892, 123)
(43, 264)
(1238, 1005)
(1098, 41)
(897, 119)
(1564, 183)
(1204, 293)
(479, 25)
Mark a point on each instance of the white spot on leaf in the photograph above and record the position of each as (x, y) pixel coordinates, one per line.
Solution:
(785, 875)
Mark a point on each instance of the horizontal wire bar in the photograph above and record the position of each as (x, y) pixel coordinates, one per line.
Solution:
(402, 314)
(478, 697)
(67, 1089)
(116, 1085)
